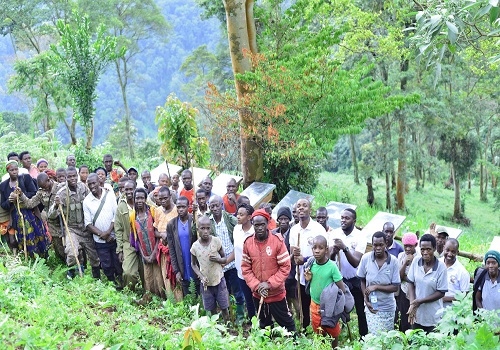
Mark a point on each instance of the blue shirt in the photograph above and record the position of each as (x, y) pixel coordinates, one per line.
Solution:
(183, 231)
(395, 249)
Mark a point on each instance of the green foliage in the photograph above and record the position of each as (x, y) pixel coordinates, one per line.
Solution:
(80, 58)
(461, 151)
(178, 133)
(92, 159)
(18, 121)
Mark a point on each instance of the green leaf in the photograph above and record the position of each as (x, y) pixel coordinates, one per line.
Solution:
(494, 13)
(452, 32)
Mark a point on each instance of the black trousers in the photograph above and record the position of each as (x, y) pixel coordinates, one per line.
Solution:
(305, 300)
(277, 310)
(426, 329)
(354, 285)
(403, 304)
(110, 264)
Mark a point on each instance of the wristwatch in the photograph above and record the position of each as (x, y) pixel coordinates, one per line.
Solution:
(346, 249)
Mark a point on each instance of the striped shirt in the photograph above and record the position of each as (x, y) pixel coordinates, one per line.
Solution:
(223, 234)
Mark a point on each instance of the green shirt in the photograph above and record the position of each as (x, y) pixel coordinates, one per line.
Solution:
(322, 276)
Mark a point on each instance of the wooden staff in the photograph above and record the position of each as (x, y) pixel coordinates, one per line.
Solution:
(71, 241)
(24, 225)
(299, 293)
(260, 305)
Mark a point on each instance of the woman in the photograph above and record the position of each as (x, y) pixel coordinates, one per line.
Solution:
(241, 231)
(102, 174)
(427, 284)
(379, 273)
(42, 165)
(405, 258)
(26, 223)
(148, 245)
(488, 294)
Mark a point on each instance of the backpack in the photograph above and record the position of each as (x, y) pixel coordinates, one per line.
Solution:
(479, 278)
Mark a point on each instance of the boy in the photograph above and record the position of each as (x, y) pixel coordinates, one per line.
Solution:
(458, 277)
(207, 252)
(322, 273)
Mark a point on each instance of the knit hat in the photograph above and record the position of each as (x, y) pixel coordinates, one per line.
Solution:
(492, 254)
(41, 160)
(285, 211)
(261, 212)
(11, 163)
(410, 238)
(51, 173)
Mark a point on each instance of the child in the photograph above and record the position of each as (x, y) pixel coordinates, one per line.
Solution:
(321, 274)
(207, 252)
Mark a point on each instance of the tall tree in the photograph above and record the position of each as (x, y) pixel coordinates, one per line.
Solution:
(80, 58)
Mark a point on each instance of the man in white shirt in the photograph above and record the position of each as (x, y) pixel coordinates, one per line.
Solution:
(349, 244)
(301, 238)
(99, 209)
(458, 277)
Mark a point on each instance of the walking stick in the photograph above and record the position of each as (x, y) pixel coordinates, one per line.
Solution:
(71, 241)
(260, 306)
(24, 227)
(299, 293)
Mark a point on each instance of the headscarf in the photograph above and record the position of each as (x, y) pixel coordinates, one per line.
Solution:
(261, 212)
(41, 160)
(409, 238)
(492, 254)
(11, 163)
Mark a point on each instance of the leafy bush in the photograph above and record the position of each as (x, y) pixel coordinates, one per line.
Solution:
(92, 159)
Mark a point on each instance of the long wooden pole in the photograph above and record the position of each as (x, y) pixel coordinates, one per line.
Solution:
(71, 241)
(299, 292)
(261, 301)
(21, 216)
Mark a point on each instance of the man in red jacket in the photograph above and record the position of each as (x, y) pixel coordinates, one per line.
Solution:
(265, 266)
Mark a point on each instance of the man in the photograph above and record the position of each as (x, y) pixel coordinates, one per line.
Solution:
(350, 244)
(230, 199)
(45, 196)
(175, 185)
(99, 209)
(113, 175)
(25, 159)
(295, 215)
(265, 274)
(14, 156)
(284, 218)
(458, 277)
(441, 238)
(392, 247)
(301, 237)
(200, 207)
(132, 174)
(121, 187)
(180, 238)
(188, 190)
(83, 172)
(165, 212)
(71, 160)
(146, 180)
(207, 185)
(128, 255)
(322, 218)
(223, 225)
(71, 197)
(269, 209)
(61, 175)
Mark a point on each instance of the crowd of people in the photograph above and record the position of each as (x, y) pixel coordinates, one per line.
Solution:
(167, 237)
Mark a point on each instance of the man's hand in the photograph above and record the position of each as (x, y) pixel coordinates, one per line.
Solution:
(120, 257)
(295, 251)
(409, 259)
(370, 289)
(178, 277)
(231, 197)
(12, 197)
(105, 235)
(57, 200)
(195, 207)
(337, 243)
(263, 289)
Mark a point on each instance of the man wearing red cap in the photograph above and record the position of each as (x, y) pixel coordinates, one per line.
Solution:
(265, 266)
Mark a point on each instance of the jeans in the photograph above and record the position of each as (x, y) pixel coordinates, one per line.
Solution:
(233, 285)
(248, 298)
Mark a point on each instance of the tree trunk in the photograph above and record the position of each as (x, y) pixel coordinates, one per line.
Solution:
(457, 210)
(484, 172)
(370, 198)
(469, 183)
(388, 200)
(401, 182)
(242, 36)
(354, 159)
(123, 81)
(89, 133)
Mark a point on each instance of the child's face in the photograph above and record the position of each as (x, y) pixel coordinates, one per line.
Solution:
(319, 250)
(204, 230)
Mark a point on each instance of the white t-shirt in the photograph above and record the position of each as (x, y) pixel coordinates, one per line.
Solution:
(239, 237)
(458, 280)
(356, 242)
(307, 235)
